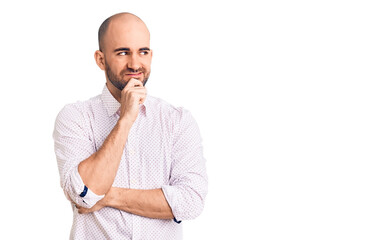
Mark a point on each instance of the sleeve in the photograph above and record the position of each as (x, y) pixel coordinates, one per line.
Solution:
(188, 183)
(71, 146)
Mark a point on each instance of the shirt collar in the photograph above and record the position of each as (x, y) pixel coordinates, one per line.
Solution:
(112, 105)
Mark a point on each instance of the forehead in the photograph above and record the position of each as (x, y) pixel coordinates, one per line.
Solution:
(128, 33)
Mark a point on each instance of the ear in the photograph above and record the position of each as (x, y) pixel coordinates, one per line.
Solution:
(100, 59)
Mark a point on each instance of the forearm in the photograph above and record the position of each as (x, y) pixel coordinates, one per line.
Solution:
(99, 170)
(147, 203)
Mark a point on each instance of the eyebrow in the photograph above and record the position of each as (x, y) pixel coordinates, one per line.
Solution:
(128, 49)
(122, 49)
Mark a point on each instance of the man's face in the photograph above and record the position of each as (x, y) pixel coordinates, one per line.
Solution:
(127, 53)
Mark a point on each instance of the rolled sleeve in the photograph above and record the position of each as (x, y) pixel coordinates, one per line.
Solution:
(188, 185)
(81, 195)
(73, 145)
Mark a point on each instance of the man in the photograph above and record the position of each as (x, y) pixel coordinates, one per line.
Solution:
(131, 164)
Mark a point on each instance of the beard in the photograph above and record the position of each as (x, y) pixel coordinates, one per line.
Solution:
(119, 82)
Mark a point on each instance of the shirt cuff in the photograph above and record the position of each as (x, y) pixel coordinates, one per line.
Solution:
(169, 194)
(83, 196)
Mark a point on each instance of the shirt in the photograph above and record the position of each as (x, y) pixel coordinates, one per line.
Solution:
(163, 150)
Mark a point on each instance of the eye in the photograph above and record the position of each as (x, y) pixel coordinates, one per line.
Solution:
(122, 53)
(144, 52)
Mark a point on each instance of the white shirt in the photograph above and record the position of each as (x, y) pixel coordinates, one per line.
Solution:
(163, 150)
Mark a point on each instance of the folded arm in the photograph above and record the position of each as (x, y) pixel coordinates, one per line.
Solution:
(79, 163)
(183, 198)
(72, 145)
(147, 203)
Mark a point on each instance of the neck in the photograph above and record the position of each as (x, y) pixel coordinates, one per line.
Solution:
(114, 91)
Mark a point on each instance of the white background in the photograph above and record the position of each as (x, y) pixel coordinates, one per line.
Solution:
(292, 99)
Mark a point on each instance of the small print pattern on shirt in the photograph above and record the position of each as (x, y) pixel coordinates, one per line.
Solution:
(163, 150)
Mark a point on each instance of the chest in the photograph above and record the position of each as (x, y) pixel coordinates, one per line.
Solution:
(146, 158)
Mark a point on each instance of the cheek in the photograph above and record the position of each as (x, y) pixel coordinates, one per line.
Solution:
(118, 66)
(147, 64)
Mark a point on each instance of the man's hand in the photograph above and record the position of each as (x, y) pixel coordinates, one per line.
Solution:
(99, 205)
(132, 95)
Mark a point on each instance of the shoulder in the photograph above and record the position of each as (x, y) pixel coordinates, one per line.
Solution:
(179, 119)
(160, 106)
(77, 111)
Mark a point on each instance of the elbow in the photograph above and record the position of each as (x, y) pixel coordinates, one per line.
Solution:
(191, 208)
(89, 177)
(186, 202)
(191, 213)
(78, 193)
(194, 213)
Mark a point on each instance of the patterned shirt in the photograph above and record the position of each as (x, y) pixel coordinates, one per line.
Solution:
(163, 150)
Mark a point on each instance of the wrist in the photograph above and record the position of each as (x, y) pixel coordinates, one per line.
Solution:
(110, 197)
(125, 121)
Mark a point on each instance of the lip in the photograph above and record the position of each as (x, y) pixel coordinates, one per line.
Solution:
(134, 75)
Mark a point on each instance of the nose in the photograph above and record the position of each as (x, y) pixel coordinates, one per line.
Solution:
(134, 62)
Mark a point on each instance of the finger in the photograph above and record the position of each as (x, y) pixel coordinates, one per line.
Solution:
(74, 204)
(82, 210)
(137, 90)
(139, 96)
(143, 97)
(134, 83)
(138, 83)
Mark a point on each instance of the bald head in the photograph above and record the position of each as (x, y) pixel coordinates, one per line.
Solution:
(124, 20)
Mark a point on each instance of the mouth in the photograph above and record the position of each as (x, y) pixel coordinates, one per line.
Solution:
(134, 75)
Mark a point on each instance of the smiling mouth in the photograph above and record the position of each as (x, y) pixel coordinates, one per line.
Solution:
(134, 74)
